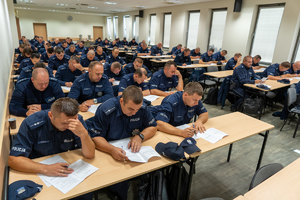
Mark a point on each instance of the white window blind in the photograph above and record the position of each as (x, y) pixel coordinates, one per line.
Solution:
(109, 27)
(152, 29)
(136, 28)
(116, 27)
(126, 25)
(193, 25)
(217, 29)
(266, 32)
(167, 30)
(297, 57)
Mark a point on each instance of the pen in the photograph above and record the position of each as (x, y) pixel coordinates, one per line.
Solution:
(194, 127)
(123, 153)
(86, 105)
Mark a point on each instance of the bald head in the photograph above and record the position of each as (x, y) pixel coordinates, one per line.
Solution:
(90, 55)
(40, 72)
(91, 52)
(296, 66)
(159, 45)
(40, 78)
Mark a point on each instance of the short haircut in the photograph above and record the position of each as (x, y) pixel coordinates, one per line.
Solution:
(82, 41)
(48, 44)
(65, 105)
(140, 72)
(132, 93)
(91, 47)
(40, 37)
(285, 64)
(39, 65)
(179, 45)
(27, 44)
(91, 52)
(99, 47)
(27, 50)
(64, 42)
(50, 50)
(74, 58)
(169, 63)
(139, 60)
(143, 44)
(115, 48)
(72, 46)
(192, 88)
(116, 65)
(238, 54)
(211, 49)
(257, 57)
(59, 50)
(22, 46)
(35, 72)
(68, 38)
(35, 55)
(187, 50)
(224, 51)
(133, 38)
(93, 64)
(247, 57)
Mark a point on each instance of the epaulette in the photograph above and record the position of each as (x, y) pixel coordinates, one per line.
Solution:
(35, 124)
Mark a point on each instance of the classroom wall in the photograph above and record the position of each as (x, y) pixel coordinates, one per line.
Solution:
(238, 29)
(58, 24)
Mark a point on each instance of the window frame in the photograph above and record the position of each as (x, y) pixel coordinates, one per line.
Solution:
(109, 26)
(134, 26)
(114, 27)
(163, 32)
(187, 31)
(150, 29)
(125, 26)
(296, 48)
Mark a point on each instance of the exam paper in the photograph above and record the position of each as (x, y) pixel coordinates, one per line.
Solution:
(182, 127)
(213, 63)
(296, 78)
(66, 88)
(151, 97)
(93, 108)
(116, 83)
(211, 135)
(269, 86)
(260, 70)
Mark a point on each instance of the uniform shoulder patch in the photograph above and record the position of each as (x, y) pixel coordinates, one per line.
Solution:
(52, 79)
(23, 80)
(63, 68)
(109, 109)
(35, 124)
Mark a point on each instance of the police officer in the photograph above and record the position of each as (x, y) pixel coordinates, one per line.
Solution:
(276, 71)
(141, 43)
(34, 94)
(183, 59)
(165, 79)
(138, 63)
(255, 62)
(105, 43)
(67, 73)
(50, 132)
(243, 74)
(141, 51)
(234, 62)
(133, 43)
(55, 43)
(113, 44)
(19, 50)
(34, 58)
(92, 87)
(178, 52)
(114, 71)
(122, 117)
(69, 41)
(46, 55)
(207, 57)
(219, 56)
(294, 70)
(58, 59)
(80, 48)
(39, 44)
(124, 42)
(85, 60)
(175, 49)
(100, 54)
(137, 78)
(114, 56)
(195, 53)
(71, 51)
(25, 54)
(179, 108)
(63, 45)
(156, 50)
(27, 71)
(46, 46)
(22, 40)
(98, 41)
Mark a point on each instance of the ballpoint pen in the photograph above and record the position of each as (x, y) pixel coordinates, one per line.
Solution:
(194, 128)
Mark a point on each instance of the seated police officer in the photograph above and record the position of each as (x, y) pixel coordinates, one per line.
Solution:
(219, 56)
(122, 117)
(132, 43)
(63, 45)
(207, 58)
(141, 51)
(138, 63)
(21, 41)
(19, 50)
(195, 53)
(69, 41)
(34, 58)
(39, 44)
(255, 62)
(124, 42)
(183, 59)
(98, 41)
(50, 132)
(137, 78)
(58, 59)
(179, 108)
(67, 73)
(156, 50)
(100, 54)
(113, 44)
(276, 71)
(294, 70)
(27, 71)
(165, 79)
(141, 43)
(243, 74)
(34, 94)
(85, 60)
(46, 46)
(71, 51)
(80, 48)
(234, 62)
(114, 72)
(178, 51)
(27, 51)
(175, 49)
(55, 43)
(114, 56)
(46, 55)
(105, 43)
(92, 87)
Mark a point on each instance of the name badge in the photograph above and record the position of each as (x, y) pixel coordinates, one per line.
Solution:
(50, 99)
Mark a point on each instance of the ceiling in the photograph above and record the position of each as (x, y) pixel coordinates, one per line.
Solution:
(98, 7)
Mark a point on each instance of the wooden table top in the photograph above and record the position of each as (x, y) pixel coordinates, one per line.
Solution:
(240, 198)
(220, 74)
(197, 65)
(284, 184)
(162, 56)
(273, 83)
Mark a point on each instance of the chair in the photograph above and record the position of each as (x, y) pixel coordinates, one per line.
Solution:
(291, 100)
(264, 173)
(210, 81)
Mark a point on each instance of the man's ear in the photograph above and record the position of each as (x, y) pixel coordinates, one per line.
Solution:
(50, 115)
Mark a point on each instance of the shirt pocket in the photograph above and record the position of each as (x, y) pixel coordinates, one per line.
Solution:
(178, 118)
(44, 149)
(99, 91)
(67, 144)
(162, 87)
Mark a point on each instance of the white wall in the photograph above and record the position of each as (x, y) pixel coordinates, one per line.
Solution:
(58, 24)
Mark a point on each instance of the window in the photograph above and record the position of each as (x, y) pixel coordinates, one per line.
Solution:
(126, 24)
(135, 30)
(167, 29)
(296, 55)
(217, 27)
(266, 31)
(116, 27)
(109, 27)
(192, 34)
(152, 29)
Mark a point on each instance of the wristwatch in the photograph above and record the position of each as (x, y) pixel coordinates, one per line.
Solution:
(83, 70)
(141, 136)
(95, 101)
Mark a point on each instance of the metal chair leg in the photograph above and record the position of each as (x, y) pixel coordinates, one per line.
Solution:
(292, 118)
(283, 124)
(296, 126)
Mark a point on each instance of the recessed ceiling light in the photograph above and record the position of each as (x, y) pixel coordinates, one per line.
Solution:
(57, 4)
(109, 3)
(66, 5)
(174, 1)
(62, 4)
(21, 0)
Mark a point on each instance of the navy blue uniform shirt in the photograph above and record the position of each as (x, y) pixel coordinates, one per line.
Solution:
(253, 64)
(97, 42)
(44, 58)
(21, 42)
(110, 59)
(291, 70)
(218, 57)
(111, 45)
(181, 59)
(54, 62)
(102, 56)
(155, 50)
(272, 70)
(27, 72)
(69, 53)
(37, 137)
(193, 53)
(25, 62)
(83, 50)
(26, 94)
(206, 58)
(17, 50)
(124, 43)
(132, 44)
(140, 50)
(20, 58)
(243, 75)
(85, 62)
(173, 110)
(161, 82)
(112, 124)
(230, 64)
(129, 68)
(53, 44)
(84, 89)
(128, 80)
(110, 75)
(173, 50)
(64, 74)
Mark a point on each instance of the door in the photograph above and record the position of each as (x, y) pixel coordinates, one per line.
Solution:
(40, 29)
(97, 32)
(18, 28)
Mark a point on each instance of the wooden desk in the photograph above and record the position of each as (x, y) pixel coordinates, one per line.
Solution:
(284, 184)
(110, 171)
(161, 60)
(273, 83)
(158, 101)
(240, 198)
(19, 121)
(220, 74)
(197, 65)
(162, 56)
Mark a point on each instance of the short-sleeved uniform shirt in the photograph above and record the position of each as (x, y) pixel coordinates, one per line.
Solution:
(54, 62)
(230, 64)
(161, 82)
(64, 74)
(128, 80)
(206, 58)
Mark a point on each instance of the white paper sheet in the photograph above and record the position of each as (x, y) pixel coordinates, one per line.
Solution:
(116, 82)
(213, 63)
(182, 127)
(93, 108)
(260, 70)
(211, 135)
(151, 97)
(269, 86)
(66, 88)
(296, 78)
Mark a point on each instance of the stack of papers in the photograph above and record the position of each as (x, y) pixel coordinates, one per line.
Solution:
(151, 97)
(81, 168)
(213, 63)
(145, 153)
(116, 82)
(260, 70)
(93, 108)
(66, 88)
